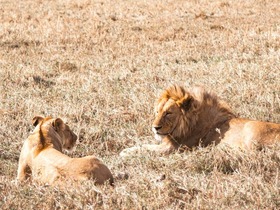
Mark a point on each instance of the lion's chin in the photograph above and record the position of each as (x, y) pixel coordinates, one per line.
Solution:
(70, 150)
(159, 137)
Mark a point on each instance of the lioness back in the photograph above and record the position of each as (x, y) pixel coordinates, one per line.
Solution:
(42, 156)
(90, 167)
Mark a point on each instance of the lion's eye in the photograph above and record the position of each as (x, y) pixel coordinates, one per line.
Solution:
(168, 113)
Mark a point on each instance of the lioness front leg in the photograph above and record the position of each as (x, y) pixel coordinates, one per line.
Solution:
(23, 167)
(22, 173)
(161, 148)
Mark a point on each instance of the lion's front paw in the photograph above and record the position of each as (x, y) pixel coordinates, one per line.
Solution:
(129, 151)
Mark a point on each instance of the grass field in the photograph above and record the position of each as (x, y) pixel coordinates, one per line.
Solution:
(101, 64)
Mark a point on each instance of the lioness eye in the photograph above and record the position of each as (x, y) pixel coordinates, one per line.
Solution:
(168, 113)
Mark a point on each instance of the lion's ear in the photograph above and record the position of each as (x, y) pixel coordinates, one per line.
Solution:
(186, 102)
(58, 124)
(36, 120)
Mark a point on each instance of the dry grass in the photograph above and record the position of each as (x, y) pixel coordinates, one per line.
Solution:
(101, 65)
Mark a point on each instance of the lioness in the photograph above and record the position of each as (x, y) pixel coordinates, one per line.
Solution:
(42, 156)
(188, 118)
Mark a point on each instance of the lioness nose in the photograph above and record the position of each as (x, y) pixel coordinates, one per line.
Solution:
(157, 127)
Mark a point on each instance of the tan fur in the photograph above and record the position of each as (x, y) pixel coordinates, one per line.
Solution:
(186, 119)
(41, 156)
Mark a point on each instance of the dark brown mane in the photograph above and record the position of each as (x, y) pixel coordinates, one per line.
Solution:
(204, 113)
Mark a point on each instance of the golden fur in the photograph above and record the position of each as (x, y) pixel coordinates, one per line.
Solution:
(186, 119)
(41, 156)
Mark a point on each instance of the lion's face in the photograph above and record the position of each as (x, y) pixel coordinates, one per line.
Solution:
(67, 136)
(166, 119)
(172, 110)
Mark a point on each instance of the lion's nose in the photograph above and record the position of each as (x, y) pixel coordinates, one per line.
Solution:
(157, 127)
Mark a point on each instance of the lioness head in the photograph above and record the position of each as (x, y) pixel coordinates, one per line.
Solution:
(171, 113)
(67, 136)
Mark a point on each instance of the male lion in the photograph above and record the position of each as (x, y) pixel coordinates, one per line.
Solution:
(188, 118)
(42, 156)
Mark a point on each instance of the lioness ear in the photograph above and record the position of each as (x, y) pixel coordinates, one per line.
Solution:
(58, 124)
(36, 120)
(186, 102)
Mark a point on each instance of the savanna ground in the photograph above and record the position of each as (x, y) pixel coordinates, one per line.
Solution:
(102, 64)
